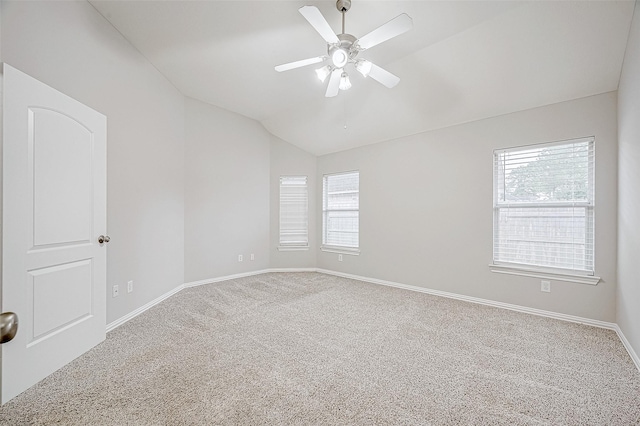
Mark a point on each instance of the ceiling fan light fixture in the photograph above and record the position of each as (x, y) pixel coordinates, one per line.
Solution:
(364, 67)
(339, 57)
(323, 73)
(345, 83)
(343, 48)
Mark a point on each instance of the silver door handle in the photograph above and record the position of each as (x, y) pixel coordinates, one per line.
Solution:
(103, 239)
(8, 326)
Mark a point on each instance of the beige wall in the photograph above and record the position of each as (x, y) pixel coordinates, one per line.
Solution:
(1, 136)
(629, 189)
(288, 160)
(426, 207)
(226, 192)
(191, 186)
(71, 47)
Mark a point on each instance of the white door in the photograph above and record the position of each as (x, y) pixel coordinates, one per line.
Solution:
(54, 209)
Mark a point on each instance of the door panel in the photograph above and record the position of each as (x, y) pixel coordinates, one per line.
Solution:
(62, 193)
(71, 281)
(54, 208)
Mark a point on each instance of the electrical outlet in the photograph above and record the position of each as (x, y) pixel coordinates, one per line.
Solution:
(339, 258)
(116, 292)
(545, 286)
(253, 256)
(129, 286)
(239, 258)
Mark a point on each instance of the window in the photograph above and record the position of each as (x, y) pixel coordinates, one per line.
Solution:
(294, 222)
(544, 207)
(340, 211)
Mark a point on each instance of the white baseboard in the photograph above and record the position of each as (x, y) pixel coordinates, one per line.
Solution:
(293, 270)
(225, 278)
(518, 308)
(117, 323)
(246, 274)
(111, 326)
(627, 345)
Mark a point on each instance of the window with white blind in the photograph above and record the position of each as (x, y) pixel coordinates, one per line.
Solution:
(544, 207)
(341, 211)
(294, 218)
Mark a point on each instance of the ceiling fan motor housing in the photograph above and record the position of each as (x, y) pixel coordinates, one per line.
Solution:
(343, 53)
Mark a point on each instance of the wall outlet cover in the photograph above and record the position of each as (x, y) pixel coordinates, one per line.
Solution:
(545, 286)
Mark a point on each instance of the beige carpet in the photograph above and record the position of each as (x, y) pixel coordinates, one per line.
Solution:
(308, 348)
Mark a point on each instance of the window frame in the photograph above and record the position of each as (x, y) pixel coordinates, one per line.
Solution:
(333, 248)
(296, 245)
(586, 276)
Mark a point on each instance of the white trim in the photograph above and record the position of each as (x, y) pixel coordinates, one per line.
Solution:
(628, 347)
(539, 312)
(246, 274)
(517, 308)
(341, 173)
(293, 248)
(280, 270)
(503, 161)
(524, 205)
(545, 144)
(225, 278)
(326, 211)
(341, 250)
(535, 273)
(117, 323)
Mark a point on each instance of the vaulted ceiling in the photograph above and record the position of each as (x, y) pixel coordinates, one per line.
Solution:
(462, 61)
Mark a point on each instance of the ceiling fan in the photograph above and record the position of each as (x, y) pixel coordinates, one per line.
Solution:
(343, 49)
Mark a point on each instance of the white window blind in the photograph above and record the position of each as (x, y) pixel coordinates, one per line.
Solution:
(544, 206)
(294, 221)
(340, 210)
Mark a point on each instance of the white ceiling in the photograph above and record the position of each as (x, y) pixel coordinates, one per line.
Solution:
(462, 61)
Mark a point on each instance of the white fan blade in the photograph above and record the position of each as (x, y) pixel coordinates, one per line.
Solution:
(298, 64)
(398, 25)
(317, 21)
(383, 76)
(334, 84)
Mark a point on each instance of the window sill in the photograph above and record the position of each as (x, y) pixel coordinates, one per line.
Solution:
(537, 273)
(293, 248)
(341, 250)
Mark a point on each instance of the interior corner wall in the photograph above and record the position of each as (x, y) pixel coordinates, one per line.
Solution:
(72, 48)
(628, 317)
(226, 193)
(1, 1)
(289, 160)
(426, 215)
(1, 171)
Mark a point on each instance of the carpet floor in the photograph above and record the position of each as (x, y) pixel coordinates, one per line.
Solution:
(308, 348)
